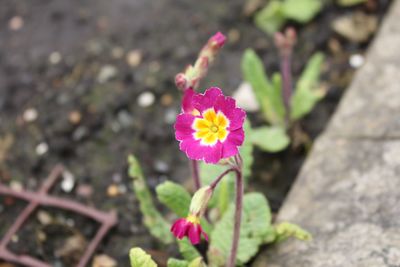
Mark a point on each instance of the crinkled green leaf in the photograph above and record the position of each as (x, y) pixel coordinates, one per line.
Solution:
(177, 263)
(347, 3)
(285, 230)
(139, 258)
(271, 18)
(270, 139)
(187, 250)
(175, 197)
(152, 219)
(307, 93)
(267, 95)
(256, 225)
(198, 262)
(301, 10)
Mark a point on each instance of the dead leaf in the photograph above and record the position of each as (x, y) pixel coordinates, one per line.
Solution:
(357, 27)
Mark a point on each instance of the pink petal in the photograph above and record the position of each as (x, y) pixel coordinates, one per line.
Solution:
(205, 101)
(180, 228)
(183, 126)
(187, 105)
(214, 154)
(194, 234)
(194, 150)
(232, 142)
(228, 107)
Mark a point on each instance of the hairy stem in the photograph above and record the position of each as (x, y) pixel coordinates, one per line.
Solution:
(286, 72)
(238, 219)
(195, 174)
(222, 175)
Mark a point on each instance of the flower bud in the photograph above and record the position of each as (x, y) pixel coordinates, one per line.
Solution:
(180, 81)
(218, 40)
(200, 201)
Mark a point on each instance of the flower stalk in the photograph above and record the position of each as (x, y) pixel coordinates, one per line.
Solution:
(192, 75)
(238, 219)
(285, 43)
(195, 174)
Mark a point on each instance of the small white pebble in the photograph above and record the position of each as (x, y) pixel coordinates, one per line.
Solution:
(44, 217)
(134, 58)
(16, 23)
(55, 58)
(30, 115)
(42, 148)
(356, 61)
(106, 73)
(146, 99)
(16, 186)
(68, 181)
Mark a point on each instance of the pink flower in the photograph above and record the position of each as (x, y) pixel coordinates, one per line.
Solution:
(210, 127)
(190, 227)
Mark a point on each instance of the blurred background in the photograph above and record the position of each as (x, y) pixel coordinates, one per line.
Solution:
(85, 83)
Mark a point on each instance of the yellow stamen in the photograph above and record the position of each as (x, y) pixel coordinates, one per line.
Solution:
(211, 128)
(193, 219)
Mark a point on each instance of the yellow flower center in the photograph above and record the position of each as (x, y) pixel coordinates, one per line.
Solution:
(211, 127)
(193, 219)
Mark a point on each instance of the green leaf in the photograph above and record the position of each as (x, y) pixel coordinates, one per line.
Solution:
(307, 93)
(175, 197)
(271, 18)
(347, 3)
(285, 230)
(270, 139)
(177, 263)
(256, 225)
(301, 10)
(152, 219)
(267, 95)
(139, 258)
(198, 262)
(187, 250)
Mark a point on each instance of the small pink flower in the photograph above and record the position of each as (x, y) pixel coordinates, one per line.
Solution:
(190, 227)
(210, 127)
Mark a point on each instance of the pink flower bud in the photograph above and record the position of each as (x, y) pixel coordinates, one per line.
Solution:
(218, 39)
(180, 81)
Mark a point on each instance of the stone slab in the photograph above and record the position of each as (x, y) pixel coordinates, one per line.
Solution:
(370, 107)
(348, 191)
(348, 197)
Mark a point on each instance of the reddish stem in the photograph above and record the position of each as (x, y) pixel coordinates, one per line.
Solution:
(195, 174)
(286, 72)
(238, 219)
(41, 198)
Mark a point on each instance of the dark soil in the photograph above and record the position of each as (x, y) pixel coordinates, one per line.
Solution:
(96, 33)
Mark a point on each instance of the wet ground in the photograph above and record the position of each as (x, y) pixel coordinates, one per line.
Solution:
(77, 81)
